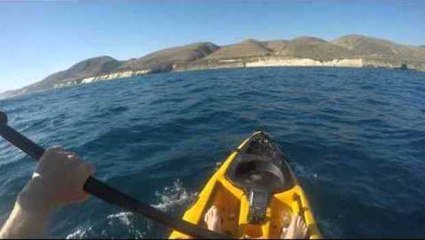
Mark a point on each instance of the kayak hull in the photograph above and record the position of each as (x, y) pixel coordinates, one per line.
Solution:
(235, 203)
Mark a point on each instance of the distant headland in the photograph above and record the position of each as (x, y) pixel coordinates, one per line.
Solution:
(347, 51)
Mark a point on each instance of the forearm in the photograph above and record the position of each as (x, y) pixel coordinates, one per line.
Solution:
(58, 180)
(29, 216)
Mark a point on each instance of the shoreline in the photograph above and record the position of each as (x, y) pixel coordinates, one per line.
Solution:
(258, 62)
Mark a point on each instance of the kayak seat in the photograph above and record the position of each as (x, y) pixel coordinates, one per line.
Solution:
(260, 171)
(255, 174)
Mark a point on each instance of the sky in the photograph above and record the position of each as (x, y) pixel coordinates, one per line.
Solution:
(38, 38)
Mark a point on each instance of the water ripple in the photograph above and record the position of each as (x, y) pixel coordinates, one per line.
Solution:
(355, 138)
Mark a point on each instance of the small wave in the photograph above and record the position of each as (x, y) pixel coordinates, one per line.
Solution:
(80, 233)
(127, 223)
(168, 198)
(123, 218)
(172, 196)
(302, 172)
(331, 227)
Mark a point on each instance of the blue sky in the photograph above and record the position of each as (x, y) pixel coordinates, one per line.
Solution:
(39, 38)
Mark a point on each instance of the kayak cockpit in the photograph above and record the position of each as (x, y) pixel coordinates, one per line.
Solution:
(260, 170)
(255, 192)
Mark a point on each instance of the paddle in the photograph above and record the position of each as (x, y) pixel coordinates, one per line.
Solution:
(108, 194)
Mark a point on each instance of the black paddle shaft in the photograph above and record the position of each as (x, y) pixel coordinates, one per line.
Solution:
(101, 190)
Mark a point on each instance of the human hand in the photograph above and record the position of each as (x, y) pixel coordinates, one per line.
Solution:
(59, 178)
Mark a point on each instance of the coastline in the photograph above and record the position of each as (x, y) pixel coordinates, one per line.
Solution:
(253, 62)
(222, 64)
(104, 77)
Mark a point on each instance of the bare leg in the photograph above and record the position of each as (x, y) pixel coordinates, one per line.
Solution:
(296, 229)
(212, 219)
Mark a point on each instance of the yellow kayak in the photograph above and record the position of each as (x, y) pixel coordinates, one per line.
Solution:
(255, 192)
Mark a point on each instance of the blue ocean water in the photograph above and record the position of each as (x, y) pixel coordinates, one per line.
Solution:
(355, 138)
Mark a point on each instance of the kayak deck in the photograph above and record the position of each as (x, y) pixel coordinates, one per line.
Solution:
(255, 192)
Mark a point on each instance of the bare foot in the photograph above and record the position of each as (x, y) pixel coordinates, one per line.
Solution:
(296, 229)
(212, 219)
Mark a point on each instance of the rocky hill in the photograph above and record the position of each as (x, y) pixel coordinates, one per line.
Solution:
(375, 51)
(347, 51)
(369, 47)
(171, 58)
(87, 68)
(247, 48)
(309, 47)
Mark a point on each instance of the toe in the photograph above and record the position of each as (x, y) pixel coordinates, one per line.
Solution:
(284, 232)
(208, 214)
(214, 211)
(293, 220)
(206, 217)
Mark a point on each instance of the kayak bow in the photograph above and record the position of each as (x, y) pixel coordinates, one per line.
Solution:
(254, 189)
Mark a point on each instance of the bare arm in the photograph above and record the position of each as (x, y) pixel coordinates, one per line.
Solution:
(58, 180)
(29, 215)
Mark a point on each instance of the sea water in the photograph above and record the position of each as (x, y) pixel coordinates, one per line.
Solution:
(354, 137)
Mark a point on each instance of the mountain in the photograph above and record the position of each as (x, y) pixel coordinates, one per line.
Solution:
(309, 47)
(347, 51)
(247, 48)
(87, 68)
(276, 45)
(170, 58)
(375, 48)
(231, 56)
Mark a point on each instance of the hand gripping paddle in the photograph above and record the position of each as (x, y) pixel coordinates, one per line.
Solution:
(101, 190)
